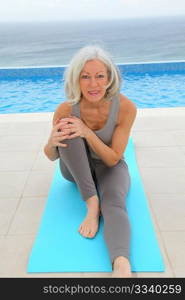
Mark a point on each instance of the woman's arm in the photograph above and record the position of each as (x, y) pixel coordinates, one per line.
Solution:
(51, 152)
(111, 155)
(51, 148)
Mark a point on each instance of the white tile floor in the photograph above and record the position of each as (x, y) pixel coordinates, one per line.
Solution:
(26, 175)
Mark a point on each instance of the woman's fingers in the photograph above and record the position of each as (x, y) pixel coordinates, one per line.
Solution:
(61, 145)
(65, 124)
(71, 136)
(58, 141)
(62, 134)
(58, 123)
(70, 119)
(70, 126)
(57, 130)
(62, 130)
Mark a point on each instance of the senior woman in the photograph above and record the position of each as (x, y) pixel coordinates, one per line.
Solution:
(89, 136)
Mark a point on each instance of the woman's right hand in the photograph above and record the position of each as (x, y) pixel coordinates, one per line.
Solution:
(58, 134)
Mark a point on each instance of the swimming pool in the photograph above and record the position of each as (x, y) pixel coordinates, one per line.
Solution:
(149, 85)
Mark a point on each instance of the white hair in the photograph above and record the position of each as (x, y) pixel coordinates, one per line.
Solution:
(72, 73)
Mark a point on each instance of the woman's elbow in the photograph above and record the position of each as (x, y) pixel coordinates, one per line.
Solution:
(113, 162)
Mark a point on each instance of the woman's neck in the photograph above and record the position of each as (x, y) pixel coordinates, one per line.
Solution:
(90, 105)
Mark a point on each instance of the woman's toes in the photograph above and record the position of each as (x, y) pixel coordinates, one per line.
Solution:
(84, 233)
(87, 231)
(81, 230)
(91, 234)
(89, 227)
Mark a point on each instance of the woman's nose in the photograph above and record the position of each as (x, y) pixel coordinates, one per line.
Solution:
(93, 81)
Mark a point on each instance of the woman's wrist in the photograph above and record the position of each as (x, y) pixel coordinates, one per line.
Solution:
(87, 132)
(51, 151)
(50, 145)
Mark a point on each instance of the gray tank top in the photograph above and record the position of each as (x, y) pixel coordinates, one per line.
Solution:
(105, 133)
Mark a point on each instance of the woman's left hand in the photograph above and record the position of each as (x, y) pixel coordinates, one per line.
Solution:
(76, 127)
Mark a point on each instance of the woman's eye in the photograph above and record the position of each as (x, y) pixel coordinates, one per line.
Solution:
(85, 76)
(100, 76)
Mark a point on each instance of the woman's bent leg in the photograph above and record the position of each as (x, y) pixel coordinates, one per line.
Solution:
(65, 172)
(75, 166)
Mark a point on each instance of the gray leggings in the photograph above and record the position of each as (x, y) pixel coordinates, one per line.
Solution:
(111, 184)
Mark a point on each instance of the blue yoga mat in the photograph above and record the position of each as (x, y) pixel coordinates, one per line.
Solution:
(60, 248)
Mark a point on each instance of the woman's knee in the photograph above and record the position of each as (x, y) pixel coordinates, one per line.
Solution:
(114, 198)
(74, 142)
(113, 214)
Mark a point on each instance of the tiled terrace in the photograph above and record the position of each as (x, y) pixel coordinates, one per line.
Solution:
(26, 175)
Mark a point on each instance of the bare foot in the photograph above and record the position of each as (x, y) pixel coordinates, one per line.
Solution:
(89, 226)
(121, 268)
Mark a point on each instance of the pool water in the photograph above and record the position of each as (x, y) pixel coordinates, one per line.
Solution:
(42, 94)
(149, 91)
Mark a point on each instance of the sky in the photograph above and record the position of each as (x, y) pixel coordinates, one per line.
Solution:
(67, 10)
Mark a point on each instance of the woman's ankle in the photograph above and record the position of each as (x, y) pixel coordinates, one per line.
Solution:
(121, 267)
(93, 206)
(120, 261)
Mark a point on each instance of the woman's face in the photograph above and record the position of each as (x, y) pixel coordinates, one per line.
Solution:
(93, 80)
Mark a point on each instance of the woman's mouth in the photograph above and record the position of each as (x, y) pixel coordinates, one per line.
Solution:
(93, 93)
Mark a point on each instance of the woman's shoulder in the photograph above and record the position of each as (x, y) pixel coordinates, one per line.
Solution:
(126, 104)
(63, 110)
(127, 108)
